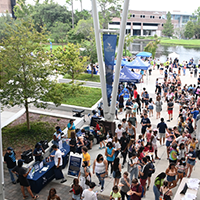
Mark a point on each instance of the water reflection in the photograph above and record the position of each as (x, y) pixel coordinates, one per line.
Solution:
(186, 53)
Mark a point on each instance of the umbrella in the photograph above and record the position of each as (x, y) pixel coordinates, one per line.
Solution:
(144, 54)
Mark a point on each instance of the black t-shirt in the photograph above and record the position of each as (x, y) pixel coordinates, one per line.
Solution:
(172, 88)
(159, 88)
(170, 104)
(124, 142)
(145, 170)
(37, 151)
(73, 142)
(21, 171)
(145, 121)
(162, 127)
(10, 160)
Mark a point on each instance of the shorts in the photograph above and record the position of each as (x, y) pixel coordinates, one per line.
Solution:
(76, 197)
(161, 68)
(143, 130)
(143, 182)
(114, 175)
(150, 107)
(101, 139)
(168, 143)
(170, 112)
(191, 162)
(171, 178)
(128, 111)
(155, 146)
(143, 98)
(162, 135)
(146, 102)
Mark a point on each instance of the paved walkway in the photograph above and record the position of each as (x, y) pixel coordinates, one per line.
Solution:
(12, 192)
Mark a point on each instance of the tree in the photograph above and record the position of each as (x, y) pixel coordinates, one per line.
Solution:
(196, 21)
(168, 28)
(179, 32)
(109, 10)
(69, 60)
(189, 30)
(128, 40)
(59, 32)
(152, 47)
(71, 3)
(27, 75)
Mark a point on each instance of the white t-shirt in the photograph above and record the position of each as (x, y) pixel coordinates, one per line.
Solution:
(154, 139)
(181, 139)
(119, 132)
(132, 161)
(117, 145)
(58, 154)
(125, 125)
(89, 195)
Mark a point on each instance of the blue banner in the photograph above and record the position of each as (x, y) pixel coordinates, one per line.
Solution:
(109, 42)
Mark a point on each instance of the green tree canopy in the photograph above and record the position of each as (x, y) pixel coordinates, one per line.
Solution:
(69, 61)
(109, 9)
(152, 47)
(189, 30)
(26, 76)
(168, 28)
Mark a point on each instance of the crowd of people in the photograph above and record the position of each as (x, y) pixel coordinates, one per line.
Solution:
(136, 154)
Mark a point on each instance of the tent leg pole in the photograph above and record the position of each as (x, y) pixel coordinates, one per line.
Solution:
(100, 58)
(119, 56)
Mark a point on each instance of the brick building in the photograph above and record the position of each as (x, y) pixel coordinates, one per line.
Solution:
(7, 5)
(146, 22)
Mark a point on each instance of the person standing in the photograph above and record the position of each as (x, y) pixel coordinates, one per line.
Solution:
(10, 160)
(191, 157)
(100, 167)
(71, 127)
(144, 173)
(110, 156)
(171, 173)
(72, 142)
(133, 166)
(86, 155)
(154, 139)
(38, 152)
(165, 190)
(136, 189)
(131, 131)
(58, 163)
(124, 141)
(158, 104)
(162, 126)
(126, 186)
(88, 194)
(170, 106)
(119, 131)
(129, 105)
(116, 171)
(157, 185)
(135, 107)
(22, 173)
(145, 122)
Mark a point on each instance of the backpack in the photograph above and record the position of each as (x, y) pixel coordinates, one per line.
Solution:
(142, 195)
(152, 167)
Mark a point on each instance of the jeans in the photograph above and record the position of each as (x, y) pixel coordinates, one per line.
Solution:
(156, 192)
(116, 154)
(135, 173)
(111, 166)
(11, 175)
(101, 179)
(123, 194)
(124, 156)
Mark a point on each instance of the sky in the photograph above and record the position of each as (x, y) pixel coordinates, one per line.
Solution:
(155, 5)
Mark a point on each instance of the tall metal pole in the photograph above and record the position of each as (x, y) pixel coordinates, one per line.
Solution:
(2, 189)
(100, 59)
(119, 57)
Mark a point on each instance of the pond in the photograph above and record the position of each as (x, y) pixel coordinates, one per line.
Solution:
(185, 53)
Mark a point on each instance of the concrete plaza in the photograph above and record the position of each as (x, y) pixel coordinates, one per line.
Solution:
(13, 191)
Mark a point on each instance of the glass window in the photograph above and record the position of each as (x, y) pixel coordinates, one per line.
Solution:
(128, 31)
(160, 17)
(185, 19)
(133, 16)
(140, 16)
(143, 16)
(153, 16)
(128, 23)
(136, 24)
(115, 23)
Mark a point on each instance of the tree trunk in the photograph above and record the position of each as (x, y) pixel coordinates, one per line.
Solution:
(27, 115)
(81, 5)
(72, 13)
(92, 69)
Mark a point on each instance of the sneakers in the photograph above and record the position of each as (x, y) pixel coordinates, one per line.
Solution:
(103, 147)
(171, 118)
(99, 185)
(100, 148)
(14, 182)
(168, 120)
(147, 187)
(64, 180)
(101, 189)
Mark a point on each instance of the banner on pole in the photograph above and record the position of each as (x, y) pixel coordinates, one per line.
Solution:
(109, 42)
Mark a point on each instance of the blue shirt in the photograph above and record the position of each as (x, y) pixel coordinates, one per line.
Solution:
(162, 127)
(69, 125)
(145, 121)
(195, 113)
(192, 154)
(109, 151)
(129, 103)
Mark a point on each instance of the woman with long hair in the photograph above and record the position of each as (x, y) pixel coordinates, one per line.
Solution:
(138, 100)
(182, 169)
(101, 135)
(131, 147)
(191, 157)
(76, 189)
(100, 167)
(151, 107)
(171, 173)
(157, 185)
(116, 171)
(53, 195)
(72, 142)
(121, 103)
(110, 156)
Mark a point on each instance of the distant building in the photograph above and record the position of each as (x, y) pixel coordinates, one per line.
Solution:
(148, 22)
(7, 6)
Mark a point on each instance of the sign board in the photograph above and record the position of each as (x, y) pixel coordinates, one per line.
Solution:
(74, 165)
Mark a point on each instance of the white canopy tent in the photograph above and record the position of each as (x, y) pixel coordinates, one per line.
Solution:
(173, 55)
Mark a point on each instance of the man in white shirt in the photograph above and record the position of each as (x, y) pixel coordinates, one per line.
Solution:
(132, 165)
(182, 139)
(88, 194)
(119, 131)
(58, 163)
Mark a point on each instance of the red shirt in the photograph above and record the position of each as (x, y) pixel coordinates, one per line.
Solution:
(97, 128)
(148, 149)
(139, 190)
(135, 94)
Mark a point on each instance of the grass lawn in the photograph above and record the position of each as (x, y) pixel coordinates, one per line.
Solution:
(53, 47)
(85, 77)
(85, 98)
(181, 42)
